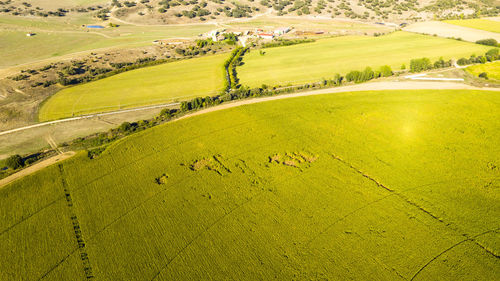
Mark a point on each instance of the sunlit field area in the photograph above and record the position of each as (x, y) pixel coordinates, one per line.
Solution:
(324, 58)
(351, 186)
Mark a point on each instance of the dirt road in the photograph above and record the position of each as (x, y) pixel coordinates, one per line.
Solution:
(87, 117)
(372, 86)
(36, 167)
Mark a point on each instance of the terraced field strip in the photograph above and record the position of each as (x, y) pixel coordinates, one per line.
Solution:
(160, 84)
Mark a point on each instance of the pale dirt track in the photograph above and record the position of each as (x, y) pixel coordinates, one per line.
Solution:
(374, 86)
(36, 167)
(443, 29)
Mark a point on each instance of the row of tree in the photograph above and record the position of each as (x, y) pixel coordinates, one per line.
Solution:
(368, 74)
(234, 60)
(491, 55)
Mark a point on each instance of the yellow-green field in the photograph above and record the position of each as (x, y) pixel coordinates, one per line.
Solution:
(492, 69)
(165, 83)
(323, 58)
(483, 24)
(394, 185)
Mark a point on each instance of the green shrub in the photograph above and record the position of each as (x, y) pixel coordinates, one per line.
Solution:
(483, 75)
(417, 65)
(488, 42)
(14, 162)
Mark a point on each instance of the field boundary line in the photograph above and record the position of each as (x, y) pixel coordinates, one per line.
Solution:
(89, 116)
(36, 167)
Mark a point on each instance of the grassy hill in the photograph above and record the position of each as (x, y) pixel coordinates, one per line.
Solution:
(158, 84)
(353, 186)
(322, 59)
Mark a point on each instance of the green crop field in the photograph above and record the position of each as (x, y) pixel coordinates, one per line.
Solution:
(392, 185)
(323, 58)
(492, 69)
(61, 36)
(164, 83)
(483, 24)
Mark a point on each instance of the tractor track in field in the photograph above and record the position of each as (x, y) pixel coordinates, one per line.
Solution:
(144, 201)
(188, 140)
(84, 257)
(453, 246)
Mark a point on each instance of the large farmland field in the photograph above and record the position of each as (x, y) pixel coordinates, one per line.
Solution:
(323, 58)
(393, 185)
(482, 24)
(152, 85)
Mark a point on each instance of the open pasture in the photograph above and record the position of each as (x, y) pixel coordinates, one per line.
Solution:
(61, 36)
(392, 185)
(482, 24)
(180, 80)
(326, 57)
(492, 69)
(307, 24)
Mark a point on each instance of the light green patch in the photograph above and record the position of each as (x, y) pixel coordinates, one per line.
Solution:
(482, 24)
(180, 80)
(492, 69)
(324, 58)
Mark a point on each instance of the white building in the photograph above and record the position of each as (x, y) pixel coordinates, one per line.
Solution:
(266, 35)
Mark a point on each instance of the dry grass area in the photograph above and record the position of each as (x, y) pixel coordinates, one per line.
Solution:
(443, 29)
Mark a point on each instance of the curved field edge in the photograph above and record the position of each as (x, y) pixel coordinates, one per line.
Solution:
(324, 58)
(491, 69)
(180, 80)
(365, 185)
(482, 24)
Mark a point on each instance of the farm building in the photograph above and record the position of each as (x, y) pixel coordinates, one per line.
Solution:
(282, 30)
(265, 35)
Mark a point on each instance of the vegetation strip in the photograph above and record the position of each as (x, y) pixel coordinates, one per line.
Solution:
(234, 60)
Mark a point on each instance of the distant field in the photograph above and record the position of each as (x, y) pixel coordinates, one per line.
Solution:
(483, 24)
(493, 70)
(152, 85)
(394, 185)
(308, 24)
(56, 37)
(313, 61)
(51, 4)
